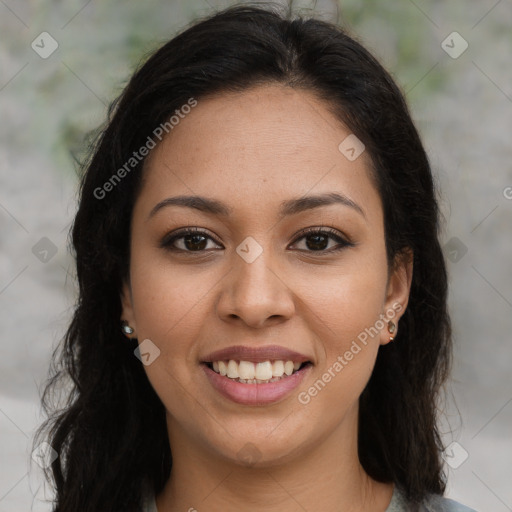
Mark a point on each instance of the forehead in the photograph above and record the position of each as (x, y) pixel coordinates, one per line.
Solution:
(257, 146)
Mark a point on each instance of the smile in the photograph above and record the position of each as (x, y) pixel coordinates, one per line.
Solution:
(249, 383)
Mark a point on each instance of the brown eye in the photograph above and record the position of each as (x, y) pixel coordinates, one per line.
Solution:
(194, 242)
(317, 240)
(191, 240)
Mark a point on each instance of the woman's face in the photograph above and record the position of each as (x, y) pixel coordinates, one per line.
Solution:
(252, 279)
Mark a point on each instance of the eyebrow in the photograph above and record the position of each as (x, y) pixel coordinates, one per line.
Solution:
(288, 207)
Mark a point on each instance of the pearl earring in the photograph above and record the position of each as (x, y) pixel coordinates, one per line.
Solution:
(126, 328)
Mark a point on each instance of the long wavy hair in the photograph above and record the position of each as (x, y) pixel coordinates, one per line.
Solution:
(111, 435)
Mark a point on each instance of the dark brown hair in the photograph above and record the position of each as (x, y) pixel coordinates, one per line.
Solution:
(111, 435)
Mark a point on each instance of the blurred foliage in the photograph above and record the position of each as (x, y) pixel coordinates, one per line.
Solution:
(101, 43)
(400, 34)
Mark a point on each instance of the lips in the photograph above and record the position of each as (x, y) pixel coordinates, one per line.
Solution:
(255, 391)
(256, 394)
(256, 354)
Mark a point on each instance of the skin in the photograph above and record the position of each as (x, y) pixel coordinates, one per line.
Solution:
(253, 150)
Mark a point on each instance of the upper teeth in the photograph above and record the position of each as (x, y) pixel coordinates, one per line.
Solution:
(248, 370)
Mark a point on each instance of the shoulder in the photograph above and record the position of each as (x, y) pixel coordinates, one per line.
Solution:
(436, 503)
(432, 503)
(148, 500)
(149, 504)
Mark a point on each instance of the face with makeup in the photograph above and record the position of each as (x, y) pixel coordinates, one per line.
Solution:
(267, 165)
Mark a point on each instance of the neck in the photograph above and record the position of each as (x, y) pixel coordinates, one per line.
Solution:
(326, 476)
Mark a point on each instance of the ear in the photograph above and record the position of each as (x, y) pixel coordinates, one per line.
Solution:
(397, 295)
(127, 306)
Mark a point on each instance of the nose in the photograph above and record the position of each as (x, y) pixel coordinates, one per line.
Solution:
(255, 293)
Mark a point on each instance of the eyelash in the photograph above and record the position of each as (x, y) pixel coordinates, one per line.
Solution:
(330, 232)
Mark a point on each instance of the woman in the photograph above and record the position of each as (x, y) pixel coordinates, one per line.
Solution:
(262, 320)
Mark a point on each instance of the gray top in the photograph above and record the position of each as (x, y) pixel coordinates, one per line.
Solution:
(150, 504)
(433, 503)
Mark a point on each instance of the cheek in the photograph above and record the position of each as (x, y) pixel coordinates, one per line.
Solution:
(346, 307)
(350, 341)
(357, 305)
(170, 305)
(345, 300)
(169, 302)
